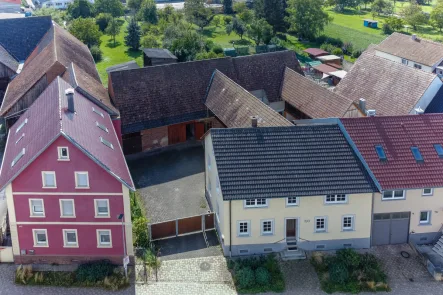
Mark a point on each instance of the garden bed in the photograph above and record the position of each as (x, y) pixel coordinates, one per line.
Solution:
(349, 271)
(256, 274)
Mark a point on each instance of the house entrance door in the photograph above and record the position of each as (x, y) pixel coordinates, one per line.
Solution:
(291, 228)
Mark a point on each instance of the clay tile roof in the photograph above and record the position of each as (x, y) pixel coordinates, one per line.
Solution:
(422, 51)
(234, 105)
(390, 88)
(8, 60)
(397, 135)
(316, 51)
(312, 99)
(324, 68)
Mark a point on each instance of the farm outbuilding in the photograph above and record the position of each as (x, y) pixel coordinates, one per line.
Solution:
(370, 23)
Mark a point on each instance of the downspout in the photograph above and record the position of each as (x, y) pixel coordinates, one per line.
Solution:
(372, 220)
(230, 230)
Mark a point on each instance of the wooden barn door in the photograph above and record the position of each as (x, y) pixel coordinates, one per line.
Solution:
(176, 133)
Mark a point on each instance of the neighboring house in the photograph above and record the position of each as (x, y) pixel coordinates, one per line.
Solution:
(405, 154)
(57, 4)
(412, 51)
(66, 181)
(287, 188)
(164, 105)
(157, 56)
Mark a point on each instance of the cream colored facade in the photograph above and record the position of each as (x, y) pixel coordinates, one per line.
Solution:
(398, 59)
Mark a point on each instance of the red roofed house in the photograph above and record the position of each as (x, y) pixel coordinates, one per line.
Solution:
(405, 154)
(315, 52)
(66, 181)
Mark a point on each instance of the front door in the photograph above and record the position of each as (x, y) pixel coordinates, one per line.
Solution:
(291, 228)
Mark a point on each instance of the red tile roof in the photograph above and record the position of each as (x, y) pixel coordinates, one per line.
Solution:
(325, 68)
(316, 51)
(397, 135)
(47, 120)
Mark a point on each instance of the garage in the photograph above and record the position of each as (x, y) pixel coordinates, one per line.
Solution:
(390, 228)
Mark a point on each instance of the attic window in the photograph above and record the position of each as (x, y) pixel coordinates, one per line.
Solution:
(106, 143)
(20, 138)
(102, 127)
(439, 150)
(21, 125)
(18, 157)
(416, 153)
(98, 112)
(380, 152)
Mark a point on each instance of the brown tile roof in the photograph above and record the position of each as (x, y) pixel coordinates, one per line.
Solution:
(316, 51)
(168, 94)
(390, 88)
(423, 51)
(324, 68)
(234, 105)
(312, 99)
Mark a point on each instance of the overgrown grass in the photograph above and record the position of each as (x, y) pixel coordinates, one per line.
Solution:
(361, 40)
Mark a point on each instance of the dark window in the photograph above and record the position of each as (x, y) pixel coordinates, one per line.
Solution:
(439, 150)
(416, 153)
(380, 152)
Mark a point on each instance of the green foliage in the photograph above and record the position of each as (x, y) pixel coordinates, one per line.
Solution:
(148, 12)
(140, 232)
(328, 47)
(186, 47)
(356, 53)
(113, 29)
(116, 281)
(237, 26)
(170, 15)
(134, 4)
(133, 33)
(260, 31)
(337, 51)
(80, 8)
(262, 276)
(94, 271)
(361, 40)
(56, 15)
(114, 7)
(217, 49)
(437, 16)
(227, 7)
(273, 11)
(240, 7)
(413, 15)
(96, 53)
(102, 20)
(86, 30)
(245, 278)
(197, 13)
(208, 55)
(395, 23)
(349, 258)
(379, 6)
(150, 41)
(227, 19)
(387, 29)
(348, 47)
(338, 273)
(246, 16)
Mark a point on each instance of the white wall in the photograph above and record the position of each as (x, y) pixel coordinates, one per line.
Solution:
(399, 59)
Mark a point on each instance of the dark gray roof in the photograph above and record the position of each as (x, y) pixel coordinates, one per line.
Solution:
(436, 105)
(158, 53)
(8, 60)
(276, 162)
(130, 65)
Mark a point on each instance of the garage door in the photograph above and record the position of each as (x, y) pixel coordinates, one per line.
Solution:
(390, 228)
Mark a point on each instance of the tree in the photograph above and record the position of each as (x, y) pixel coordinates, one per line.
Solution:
(197, 13)
(379, 5)
(273, 11)
(340, 5)
(148, 12)
(366, 2)
(134, 4)
(86, 30)
(237, 26)
(80, 8)
(389, 8)
(413, 15)
(227, 7)
(216, 21)
(113, 29)
(246, 16)
(307, 17)
(102, 20)
(395, 23)
(260, 31)
(114, 7)
(186, 47)
(150, 41)
(133, 33)
(240, 7)
(437, 17)
(56, 15)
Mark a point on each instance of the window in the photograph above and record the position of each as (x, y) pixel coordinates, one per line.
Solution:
(97, 112)
(48, 178)
(416, 153)
(40, 237)
(404, 61)
(209, 162)
(380, 152)
(267, 227)
(417, 66)
(439, 149)
(392, 195)
(18, 157)
(106, 143)
(217, 185)
(425, 217)
(70, 238)
(336, 199)
(81, 180)
(243, 228)
(102, 127)
(320, 224)
(67, 208)
(348, 223)
(37, 207)
(292, 201)
(63, 153)
(427, 192)
(256, 203)
(101, 208)
(104, 239)
(20, 138)
(21, 126)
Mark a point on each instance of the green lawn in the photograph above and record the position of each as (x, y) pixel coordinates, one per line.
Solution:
(219, 36)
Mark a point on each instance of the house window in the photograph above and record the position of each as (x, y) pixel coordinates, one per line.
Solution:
(40, 237)
(21, 126)
(18, 157)
(256, 203)
(243, 228)
(439, 149)
(97, 112)
(348, 223)
(417, 66)
(81, 180)
(37, 207)
(404, 61)
(320, 224)
(48, 178)
(427, 192)
(102, 127)
(267, 227)
(292, 201)
(70, 238)
(104, 239)
(336, 199)
(63, 153)
(393, 195)
(67, 208)
(425, 217)
(101, 208)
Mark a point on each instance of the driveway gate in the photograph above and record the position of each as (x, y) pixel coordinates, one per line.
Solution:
(390, 228)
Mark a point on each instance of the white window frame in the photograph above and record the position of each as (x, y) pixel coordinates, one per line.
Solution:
(428, 220)
(96, 208)
(352, 228)
(427, 194)
(255, 203)
(263, 233)
(99, 244)
(31, 209)
(65, 239)
(61, 208)
(326, 224)
(76, 173)
(60, 157)
(297, 199)
(335, 199)
(34, 237)
(393, 195)
(248, 234)
(43, 179)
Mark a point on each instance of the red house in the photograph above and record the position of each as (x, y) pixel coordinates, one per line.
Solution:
(66, 182)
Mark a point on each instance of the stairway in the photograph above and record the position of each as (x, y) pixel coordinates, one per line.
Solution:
(438, 247)
(292, 252)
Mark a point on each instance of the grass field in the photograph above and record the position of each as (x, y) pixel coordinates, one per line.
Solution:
(360, 40)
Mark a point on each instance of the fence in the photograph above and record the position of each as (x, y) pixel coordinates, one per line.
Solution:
(181, 226)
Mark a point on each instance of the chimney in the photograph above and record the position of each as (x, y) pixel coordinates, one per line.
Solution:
(370, 113)
(254, 121)
(70, 96)
(362, 105)
(414, 37)
(419, 111)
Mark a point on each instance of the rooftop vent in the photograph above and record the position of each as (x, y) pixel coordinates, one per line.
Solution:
(254, 121)
(362, 105)
(370, 113)
(419, 111)
(70, 96)
(106, 143)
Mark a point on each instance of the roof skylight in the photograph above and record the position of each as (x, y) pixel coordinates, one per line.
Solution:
(18, 157)
(102, 127)
(21, 125)
(106, 143)
(98, 112)
(439, 150)
(20, 138)
(380, 152)
(416, 153)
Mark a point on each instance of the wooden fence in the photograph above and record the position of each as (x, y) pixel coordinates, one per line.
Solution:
(181, 226)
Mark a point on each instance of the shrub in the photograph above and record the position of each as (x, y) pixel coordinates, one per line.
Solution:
(116, 281)
(217, 49)
(245, 278)
(262, 276)
(102, 20)
(356, 53)
(387, 29)
(349, 257)
(338, 273)
(96, 53)
(328, 47)
(230, 264)
(348, 47)
(94, 271)
(337, 51)
(150, 41)
(227, 19)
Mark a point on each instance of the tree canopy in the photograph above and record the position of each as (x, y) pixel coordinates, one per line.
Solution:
(437, 16)
(307, 17)
(86, 30)
(260, 31)
(133, 33)
(148, 12)
(274, 11)
(413, 15)
(80, 8)
(113, 29)
(237, 26)
(114, 7)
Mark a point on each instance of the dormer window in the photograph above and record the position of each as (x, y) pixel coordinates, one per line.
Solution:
(21, 126)
(439, 150)
(63, 153)
(380, 152)
(416, 153)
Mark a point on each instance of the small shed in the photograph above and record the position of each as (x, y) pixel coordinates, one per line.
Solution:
(157, 56)
(370, 23)
(315, 52)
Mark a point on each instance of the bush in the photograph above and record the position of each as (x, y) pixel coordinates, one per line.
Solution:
(150, 41)
(102, 20)
(338, 273)
(96, 53)
(116, 281)
(337, 51)
(262, 276)
(356, 53)
(328, 47)
(245, 278)
(94, 271)
(349, 258)
(227, 19)
(217, 49)
(387, 29)
(348, 47)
